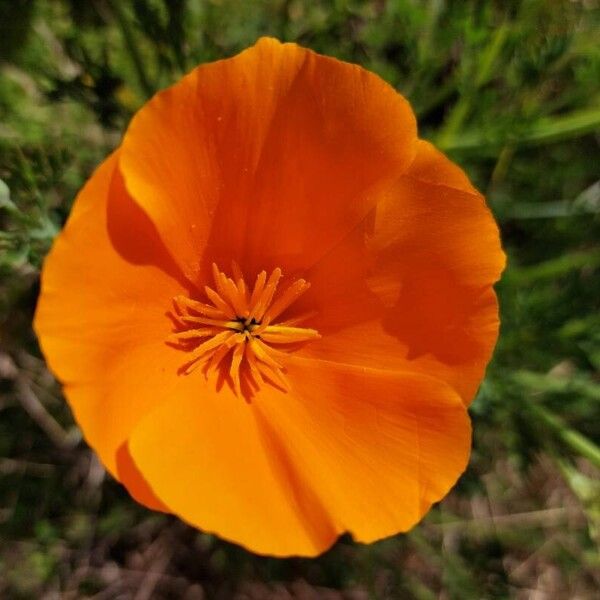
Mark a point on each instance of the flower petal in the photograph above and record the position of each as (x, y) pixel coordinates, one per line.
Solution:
(269, 157)
(209, 459)
(136, 485)
(411, 287)
(106, 286)
(348, 449)
(432, 166)
(368, 438)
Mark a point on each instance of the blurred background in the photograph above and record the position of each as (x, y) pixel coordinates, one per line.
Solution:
(511, 91)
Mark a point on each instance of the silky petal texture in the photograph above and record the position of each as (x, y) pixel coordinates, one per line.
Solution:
(431, 166)
(279, 157)
(101, 317)
(269, 158)
(349, 449)
(410, 288)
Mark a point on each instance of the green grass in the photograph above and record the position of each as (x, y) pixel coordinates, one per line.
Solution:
(511, 90)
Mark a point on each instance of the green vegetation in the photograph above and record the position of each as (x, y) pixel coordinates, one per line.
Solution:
(511, 90)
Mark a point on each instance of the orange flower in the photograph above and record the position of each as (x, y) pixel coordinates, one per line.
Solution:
(272, 304)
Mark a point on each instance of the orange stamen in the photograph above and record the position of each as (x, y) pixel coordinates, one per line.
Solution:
(241, 324)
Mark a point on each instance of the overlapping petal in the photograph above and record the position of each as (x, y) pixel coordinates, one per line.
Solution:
(347, 449)
(269, 158)
(410, 288)
(101, 319)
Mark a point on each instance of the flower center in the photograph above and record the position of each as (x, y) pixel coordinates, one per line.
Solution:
(238, 331)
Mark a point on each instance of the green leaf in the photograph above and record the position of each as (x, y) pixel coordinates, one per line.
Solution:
(5, 201)
(572, 438)
(546, 130)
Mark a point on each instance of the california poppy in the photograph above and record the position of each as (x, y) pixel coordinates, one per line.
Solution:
(273, 303)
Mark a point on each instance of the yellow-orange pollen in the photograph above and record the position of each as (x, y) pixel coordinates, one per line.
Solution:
(238, 329)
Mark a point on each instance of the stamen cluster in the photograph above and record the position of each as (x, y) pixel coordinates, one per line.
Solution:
(237, 333)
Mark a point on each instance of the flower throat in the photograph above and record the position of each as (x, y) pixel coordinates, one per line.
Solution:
(237, 334)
